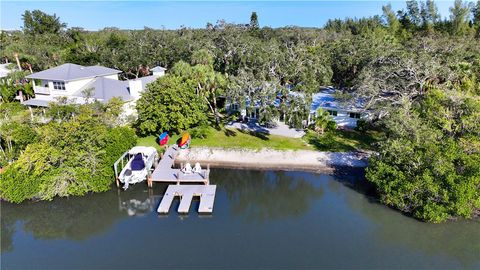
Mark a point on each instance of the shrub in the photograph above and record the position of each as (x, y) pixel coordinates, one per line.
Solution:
(363, 125)
(201, 132)
(72, 157)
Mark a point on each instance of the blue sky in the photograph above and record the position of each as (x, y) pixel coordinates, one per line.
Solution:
(95, 15)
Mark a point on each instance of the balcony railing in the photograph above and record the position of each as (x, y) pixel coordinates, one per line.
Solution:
(41, 90)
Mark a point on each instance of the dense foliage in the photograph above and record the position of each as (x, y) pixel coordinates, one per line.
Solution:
(170, 104)
(68, 157)
(429, 163)
(16, 131)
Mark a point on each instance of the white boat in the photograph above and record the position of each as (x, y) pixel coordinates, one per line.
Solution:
(141, 160)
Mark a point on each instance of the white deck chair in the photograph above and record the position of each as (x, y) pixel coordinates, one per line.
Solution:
(197, 168)
(187, 169)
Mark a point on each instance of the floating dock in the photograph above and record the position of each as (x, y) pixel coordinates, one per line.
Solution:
(164, 172)
(186, 194)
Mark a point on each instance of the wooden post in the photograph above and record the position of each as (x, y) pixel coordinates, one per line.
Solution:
(149, 181)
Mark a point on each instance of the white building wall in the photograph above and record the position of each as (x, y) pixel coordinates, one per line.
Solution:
(158, 73)
(113, 77)
(343, 119)
(136, 88)
(73, 86)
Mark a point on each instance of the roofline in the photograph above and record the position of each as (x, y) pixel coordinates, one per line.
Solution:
(31, 76)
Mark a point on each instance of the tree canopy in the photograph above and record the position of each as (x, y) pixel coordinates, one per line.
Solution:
(64, 157)
(170, 104)
(38, 22)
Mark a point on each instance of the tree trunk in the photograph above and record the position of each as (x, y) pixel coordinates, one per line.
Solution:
(210, 106)
(215, 114)
(30, 68)
(18, 61)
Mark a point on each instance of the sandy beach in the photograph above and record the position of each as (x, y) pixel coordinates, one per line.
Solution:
(273, 159)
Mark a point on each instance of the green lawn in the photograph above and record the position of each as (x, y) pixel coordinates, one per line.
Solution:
(337, 141)
(343, 140)
(232, 138)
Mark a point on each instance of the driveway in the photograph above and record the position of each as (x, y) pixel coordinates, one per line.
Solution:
(281, 129)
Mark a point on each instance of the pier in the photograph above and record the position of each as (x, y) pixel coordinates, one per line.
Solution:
(186, 194)
(164, 172)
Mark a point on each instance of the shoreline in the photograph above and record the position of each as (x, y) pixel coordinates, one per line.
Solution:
(268, 159)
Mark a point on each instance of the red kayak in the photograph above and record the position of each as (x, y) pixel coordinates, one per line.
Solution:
(163, 138)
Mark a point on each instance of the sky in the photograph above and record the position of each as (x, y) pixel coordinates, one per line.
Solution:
(94, 15)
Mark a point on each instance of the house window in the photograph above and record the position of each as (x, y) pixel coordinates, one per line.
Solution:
(332, 113)
(234, 107)
(355, 115)
(59, 85)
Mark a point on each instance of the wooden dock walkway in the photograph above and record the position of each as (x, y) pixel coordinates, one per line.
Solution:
(186, 193)
(164, 172)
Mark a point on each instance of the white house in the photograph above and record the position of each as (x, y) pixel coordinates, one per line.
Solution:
(76, 83)
(345, 115)
(4, 70)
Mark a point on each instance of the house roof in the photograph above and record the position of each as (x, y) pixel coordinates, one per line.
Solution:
(72, 72)
(326, 99)
(146, 80)
(106, 89)
(4, 70)
(36, 102)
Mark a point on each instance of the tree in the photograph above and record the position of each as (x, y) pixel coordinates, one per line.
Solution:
(428, 164)
(323, 121)
(297, 111)
(460, 13)
(209, 83)
(202, 57)
(16, 131)
(255, 95)
(429, 14)
(8, 91)
(390, 17)
(476, 17)
(170, 104)
(413, 10)
(37, 23)
(254, 21)
(72, 157)
(476, 14)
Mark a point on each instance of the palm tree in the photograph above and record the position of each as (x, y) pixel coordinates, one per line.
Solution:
(323, 121)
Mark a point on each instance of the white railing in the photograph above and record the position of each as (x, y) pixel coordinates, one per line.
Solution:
(41, 90)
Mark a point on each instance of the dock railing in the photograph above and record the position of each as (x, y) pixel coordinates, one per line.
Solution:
(122, 162)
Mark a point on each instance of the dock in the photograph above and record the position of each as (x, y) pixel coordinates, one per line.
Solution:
(164, 172)
(186, 194)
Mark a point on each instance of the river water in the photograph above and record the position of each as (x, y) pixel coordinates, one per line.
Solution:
(261, 219)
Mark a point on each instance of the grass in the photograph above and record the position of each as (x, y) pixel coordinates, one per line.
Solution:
(335, 141)
(233, 138)
(343, 140)
(149, 141)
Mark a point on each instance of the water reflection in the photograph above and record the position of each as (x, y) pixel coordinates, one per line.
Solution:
(138, 201)
(457, 239)
(75, 218)
(261, 196)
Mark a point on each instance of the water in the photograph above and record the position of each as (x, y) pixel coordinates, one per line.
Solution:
(261, 219)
